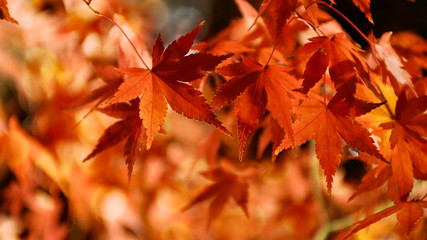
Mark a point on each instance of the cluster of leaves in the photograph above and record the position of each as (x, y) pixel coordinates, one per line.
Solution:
(276, 79)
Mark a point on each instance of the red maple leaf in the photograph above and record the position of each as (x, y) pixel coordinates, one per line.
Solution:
(129, 128)
(329, 124)
(229, 183)
(166, 83)
(257, 88)
(271, 133)
(112, 79)
(337, 53)
(279, 11)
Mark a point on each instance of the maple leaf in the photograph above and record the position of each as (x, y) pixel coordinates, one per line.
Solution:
(372, 180)
(229, 183)
(400, 124)
(210, 146)
(365, 7)
(257, 88)
(272, 133)
(407, 140)
(392, 64)
(412, 50)
(329, 124)
(30, 153)
(166, 82)
(408, 213)
(255, 31)
(4, 12)
(229, 40)
(112, 79)
(337, 53)
(237, 39)
(129, 128)
(279, 11)
(312, 10)
(256, 42)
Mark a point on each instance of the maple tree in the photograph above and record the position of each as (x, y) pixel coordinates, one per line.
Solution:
(255, 127)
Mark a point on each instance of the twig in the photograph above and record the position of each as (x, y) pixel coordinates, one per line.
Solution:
(117, 25)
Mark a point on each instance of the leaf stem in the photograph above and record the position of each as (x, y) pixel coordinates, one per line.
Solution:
(324, 88)
(380, 95)
(371, 44)
(271, 54)
(347, 20)
(118, 26)
(310, 24)
(277, 40)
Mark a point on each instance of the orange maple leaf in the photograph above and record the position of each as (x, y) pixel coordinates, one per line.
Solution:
(329, 124)
(401, 126)
(365, 7)
(257, 88)
(373, 180)
(4, 12)
(166, 82)
(407, 140)
(112, 79)
(408, 213)
(392, 65)
(312, 10)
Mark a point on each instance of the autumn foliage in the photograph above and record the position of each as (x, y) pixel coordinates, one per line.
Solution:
(280, 126)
